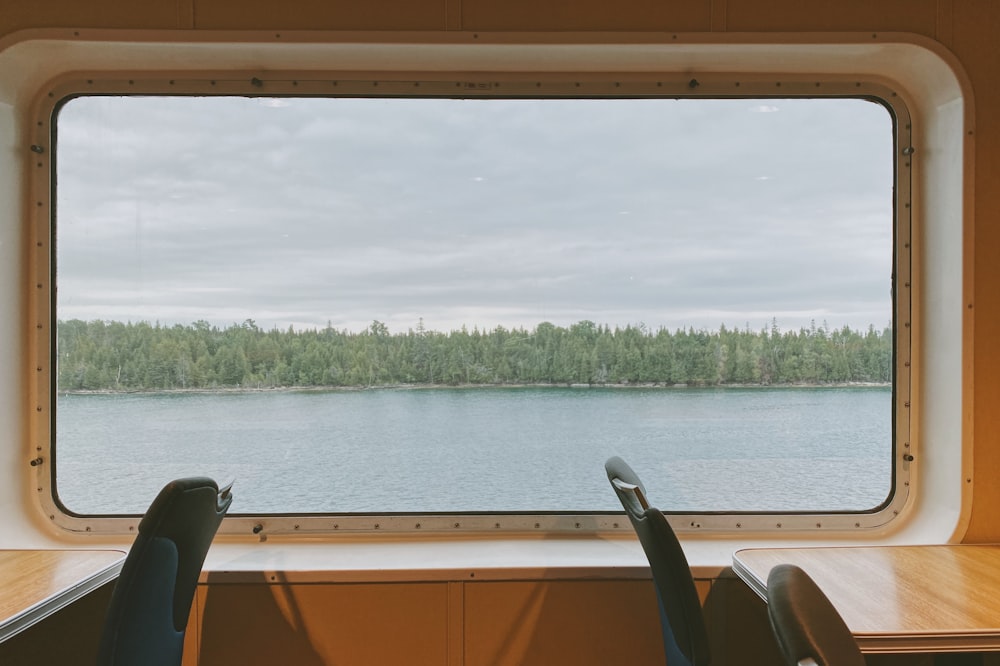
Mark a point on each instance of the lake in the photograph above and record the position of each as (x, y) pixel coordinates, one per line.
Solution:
(481, 449)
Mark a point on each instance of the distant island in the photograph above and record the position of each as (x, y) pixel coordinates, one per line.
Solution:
(116, 356)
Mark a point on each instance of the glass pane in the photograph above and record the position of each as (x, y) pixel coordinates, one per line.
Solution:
(469, 304)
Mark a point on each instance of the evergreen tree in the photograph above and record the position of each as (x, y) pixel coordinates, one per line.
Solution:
(119, 356)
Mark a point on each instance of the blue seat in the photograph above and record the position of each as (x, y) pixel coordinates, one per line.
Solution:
(809, 629)
(149, 608)
(685, 638)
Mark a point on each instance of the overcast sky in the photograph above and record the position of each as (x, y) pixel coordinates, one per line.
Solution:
(306, 212)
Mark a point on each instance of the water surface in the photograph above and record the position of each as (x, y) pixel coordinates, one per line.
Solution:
(483, 449)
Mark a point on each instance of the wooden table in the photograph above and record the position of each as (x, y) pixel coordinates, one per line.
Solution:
(899, 598)
(36, 583)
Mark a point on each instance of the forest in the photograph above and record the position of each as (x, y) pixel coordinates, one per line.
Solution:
(116, 356)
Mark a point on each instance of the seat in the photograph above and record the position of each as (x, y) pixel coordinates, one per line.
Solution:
(809, 629)
(685, 638)
(149, 608)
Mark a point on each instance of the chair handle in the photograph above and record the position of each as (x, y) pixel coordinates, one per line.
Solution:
(224, 495)
(633, 491)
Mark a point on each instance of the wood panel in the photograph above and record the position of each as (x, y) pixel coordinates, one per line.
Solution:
(320, 624)
(321, 15)
(585, 15)
(975, 27)
(739, 629)
(561, 622)
(142, 14)
(586, 632)
(916, 16)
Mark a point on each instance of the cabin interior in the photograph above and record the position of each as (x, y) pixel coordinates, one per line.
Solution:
(557, 598)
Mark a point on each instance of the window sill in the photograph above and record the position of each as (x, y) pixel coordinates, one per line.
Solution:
(292, 561)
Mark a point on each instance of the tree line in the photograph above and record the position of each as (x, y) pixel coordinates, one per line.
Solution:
(116, 356)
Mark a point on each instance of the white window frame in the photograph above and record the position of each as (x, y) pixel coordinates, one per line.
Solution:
(558, 87)
(634, 63)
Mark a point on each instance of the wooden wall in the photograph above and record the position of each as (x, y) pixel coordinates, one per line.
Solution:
(449, 623)
(484, 623)
(966, 27)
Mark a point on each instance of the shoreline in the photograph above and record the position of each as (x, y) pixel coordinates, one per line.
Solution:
(431, 387)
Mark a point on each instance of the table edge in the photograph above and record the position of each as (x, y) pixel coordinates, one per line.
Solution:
(46, 607)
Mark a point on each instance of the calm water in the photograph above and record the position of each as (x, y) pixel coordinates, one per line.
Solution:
(497, 449)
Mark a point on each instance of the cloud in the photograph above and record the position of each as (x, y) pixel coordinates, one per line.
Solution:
(476, 212)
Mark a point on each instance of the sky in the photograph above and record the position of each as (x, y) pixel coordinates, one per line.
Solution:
(309, 212)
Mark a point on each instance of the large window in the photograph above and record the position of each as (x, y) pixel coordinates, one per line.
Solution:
(427, 306)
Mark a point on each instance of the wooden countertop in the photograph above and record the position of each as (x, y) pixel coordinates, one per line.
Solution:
(37, 583)
(899, 598)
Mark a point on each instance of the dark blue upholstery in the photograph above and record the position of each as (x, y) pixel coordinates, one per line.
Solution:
(805, 623)
(152, 599)
(685, 638)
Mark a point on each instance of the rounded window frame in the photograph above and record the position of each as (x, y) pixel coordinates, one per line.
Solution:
(629, 84)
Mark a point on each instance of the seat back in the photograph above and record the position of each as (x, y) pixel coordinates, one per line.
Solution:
(152, 598)
(685, 638)
(806, 624)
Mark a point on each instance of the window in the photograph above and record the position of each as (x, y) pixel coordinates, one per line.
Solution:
(436, 305)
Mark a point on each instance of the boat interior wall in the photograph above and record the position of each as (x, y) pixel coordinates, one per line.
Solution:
(37, 65)
(470, 600)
